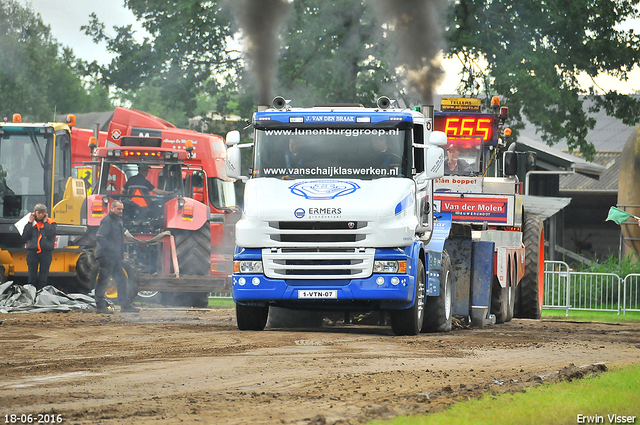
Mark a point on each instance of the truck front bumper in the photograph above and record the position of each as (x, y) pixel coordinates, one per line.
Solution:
(386, 291)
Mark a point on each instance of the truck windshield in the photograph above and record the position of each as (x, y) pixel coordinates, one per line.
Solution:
(22, 180)
(364, 154)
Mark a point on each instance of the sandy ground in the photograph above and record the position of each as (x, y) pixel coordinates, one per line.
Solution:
(194, 366)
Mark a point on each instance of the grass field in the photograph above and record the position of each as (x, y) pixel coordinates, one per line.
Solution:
(592, 316)
(613, 393)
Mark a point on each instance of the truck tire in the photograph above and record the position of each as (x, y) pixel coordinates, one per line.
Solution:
(251, 318)
(193, 249)
(438, 309)
(532, 284)
(409, 321)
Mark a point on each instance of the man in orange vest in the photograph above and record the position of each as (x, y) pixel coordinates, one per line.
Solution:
(40, 236)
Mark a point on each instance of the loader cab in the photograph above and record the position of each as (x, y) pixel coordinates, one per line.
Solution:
(35, 164)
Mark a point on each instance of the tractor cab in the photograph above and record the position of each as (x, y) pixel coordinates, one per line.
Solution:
(145, 177)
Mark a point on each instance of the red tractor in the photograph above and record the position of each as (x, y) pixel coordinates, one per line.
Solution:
(203, 172)
(169, 243)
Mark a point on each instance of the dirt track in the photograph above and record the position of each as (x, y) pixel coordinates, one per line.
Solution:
(172, 365)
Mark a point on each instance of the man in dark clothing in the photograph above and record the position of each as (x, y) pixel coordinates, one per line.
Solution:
(109, 254)
(40, 236)
(140, 179)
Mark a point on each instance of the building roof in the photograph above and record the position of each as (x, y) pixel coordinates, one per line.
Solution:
(608, 181)
(610, 134)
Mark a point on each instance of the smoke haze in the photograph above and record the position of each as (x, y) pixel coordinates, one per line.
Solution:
(260, 22)
(416, 26)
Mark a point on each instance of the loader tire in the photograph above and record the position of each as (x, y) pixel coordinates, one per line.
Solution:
(438, 310)
(84, 267)
(532, 284)
(251, 318)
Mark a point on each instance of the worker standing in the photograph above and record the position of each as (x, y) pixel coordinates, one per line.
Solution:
(110, 254)
(40, 236)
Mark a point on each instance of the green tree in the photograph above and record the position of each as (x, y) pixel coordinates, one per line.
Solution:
(187, 46)
(334, 51)
(39, 78)
(535, 51)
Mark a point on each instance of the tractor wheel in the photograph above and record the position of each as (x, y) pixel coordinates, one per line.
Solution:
(251, 318)
(532, 283)
(410, 321)
(438, 310)
(193, 249)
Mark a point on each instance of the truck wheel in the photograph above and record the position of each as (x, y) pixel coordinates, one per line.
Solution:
(251, 318)
(438, 309)
(409, 321)
(532, 283)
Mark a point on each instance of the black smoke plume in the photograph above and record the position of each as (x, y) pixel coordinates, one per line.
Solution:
(416, 26)
(260, 22)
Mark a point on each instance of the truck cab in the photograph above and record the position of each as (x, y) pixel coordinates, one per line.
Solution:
(337, 213)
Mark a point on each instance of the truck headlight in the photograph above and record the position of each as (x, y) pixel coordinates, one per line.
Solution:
(389, 266)
(253, 266)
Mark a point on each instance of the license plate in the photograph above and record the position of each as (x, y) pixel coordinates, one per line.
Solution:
(308, 294)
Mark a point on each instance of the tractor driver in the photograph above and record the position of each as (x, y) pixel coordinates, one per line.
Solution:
(140, 179)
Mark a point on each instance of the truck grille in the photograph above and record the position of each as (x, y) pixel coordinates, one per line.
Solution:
(318, 231)
(286, 263)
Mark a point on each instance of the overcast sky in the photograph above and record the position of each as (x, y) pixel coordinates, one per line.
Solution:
(67, 16)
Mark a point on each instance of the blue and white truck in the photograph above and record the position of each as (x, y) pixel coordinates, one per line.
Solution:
(339, 215)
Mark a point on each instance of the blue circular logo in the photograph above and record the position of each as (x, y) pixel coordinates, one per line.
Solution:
(299, 213)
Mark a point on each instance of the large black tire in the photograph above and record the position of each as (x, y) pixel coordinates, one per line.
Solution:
(410, 321)
(532, 284)
(84, 266)
(438, 310)
(251, 318)
(499, 301)
(193, 249)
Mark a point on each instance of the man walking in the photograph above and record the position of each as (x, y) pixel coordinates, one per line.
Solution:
(40, 236)
(109, 254)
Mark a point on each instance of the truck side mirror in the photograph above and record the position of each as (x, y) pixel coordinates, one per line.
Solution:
(438, 138)
(233, 162)
(509, 163)
(435, 162)
(233, 138)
